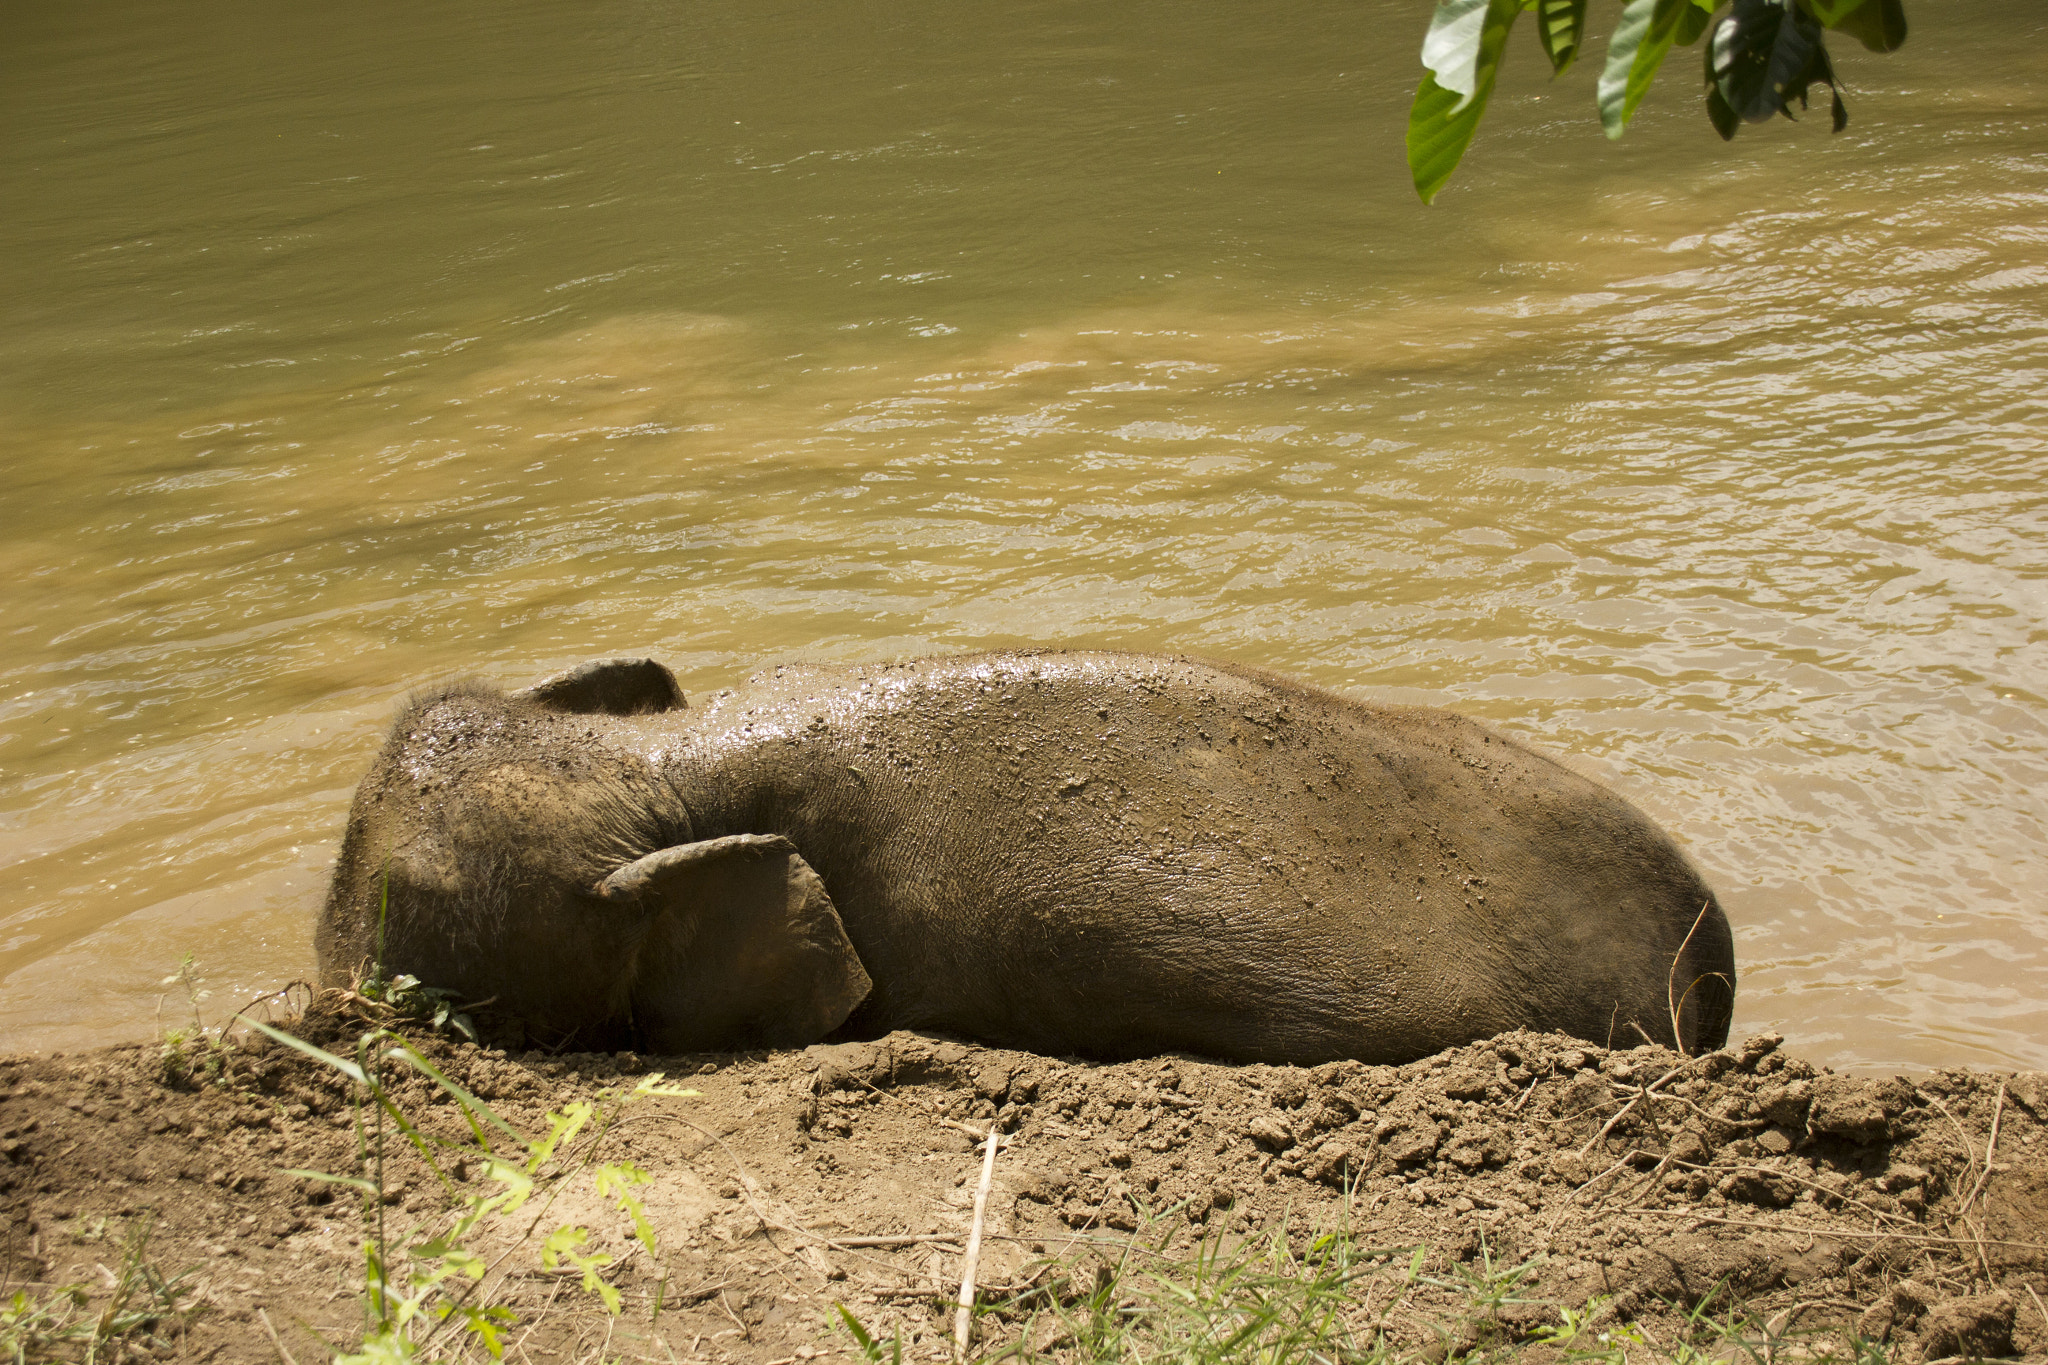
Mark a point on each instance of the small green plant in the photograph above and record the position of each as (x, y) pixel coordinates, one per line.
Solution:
(871, 1349)
(1733, 1332)
(1708, 1337)
(188, 1054)
(404, 996)
(1579, 1336)
(433, 1006)
(1229, 1300)
(418, 1283)
(1258, 1301)
(1484, 1289)
(64, 1324)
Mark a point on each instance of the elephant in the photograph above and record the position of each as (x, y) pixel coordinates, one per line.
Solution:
(1075, 853)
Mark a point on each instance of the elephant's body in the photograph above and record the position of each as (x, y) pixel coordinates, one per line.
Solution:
(1075, 853)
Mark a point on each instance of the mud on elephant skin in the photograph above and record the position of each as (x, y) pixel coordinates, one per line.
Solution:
(1079, 853)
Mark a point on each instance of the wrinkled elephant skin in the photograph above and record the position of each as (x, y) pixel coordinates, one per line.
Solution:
(1078, 853)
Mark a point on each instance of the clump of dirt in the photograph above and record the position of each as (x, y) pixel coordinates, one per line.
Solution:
(1644, 1183)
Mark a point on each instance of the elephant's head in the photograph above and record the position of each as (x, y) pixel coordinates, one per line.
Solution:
(510, 848)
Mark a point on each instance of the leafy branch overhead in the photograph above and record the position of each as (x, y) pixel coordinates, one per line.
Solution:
(1760, 56)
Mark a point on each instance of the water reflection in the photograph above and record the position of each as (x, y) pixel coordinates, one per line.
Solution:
(1734, 504)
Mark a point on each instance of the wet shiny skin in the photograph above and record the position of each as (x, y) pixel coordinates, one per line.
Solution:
(1077, 852)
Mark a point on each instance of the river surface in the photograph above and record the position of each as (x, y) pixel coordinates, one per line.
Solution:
(342, 351)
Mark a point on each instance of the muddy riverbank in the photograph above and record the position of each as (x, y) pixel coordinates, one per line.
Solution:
(1480, 1196)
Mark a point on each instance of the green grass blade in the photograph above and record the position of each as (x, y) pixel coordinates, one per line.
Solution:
(346, 1068)
(353, 1182)
(471, 1104)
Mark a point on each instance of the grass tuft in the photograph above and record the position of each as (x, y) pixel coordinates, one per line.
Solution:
(445, 1271)
(1324, 1299)
(144, 1307)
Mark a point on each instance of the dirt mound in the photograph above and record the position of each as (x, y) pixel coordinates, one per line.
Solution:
(1540, 1178)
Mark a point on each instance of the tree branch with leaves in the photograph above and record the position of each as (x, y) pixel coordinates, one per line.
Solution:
(1760, 55)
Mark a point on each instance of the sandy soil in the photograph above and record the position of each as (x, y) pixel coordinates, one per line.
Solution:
(1634, 1174)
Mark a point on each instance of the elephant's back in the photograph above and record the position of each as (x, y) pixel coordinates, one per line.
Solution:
(1133, 852)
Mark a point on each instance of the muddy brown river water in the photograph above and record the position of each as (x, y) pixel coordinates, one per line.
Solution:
(344, 352)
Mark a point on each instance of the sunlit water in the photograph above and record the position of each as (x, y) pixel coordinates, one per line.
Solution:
(346, 352)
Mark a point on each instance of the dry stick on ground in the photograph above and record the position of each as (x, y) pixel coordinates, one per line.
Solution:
(747, 1181)
(1876, 1214)
(1643, 1092)
(1969, 1159)
(746, 1333)
(846, 1243)
(1739, 1125)
(532, 1326)
(1969, 1152)
(1677, 1006)
(275, 1340)
(963, 1317)
(906, 1240)
(1801, 1229)
(912, 1291)
(1990, 1146)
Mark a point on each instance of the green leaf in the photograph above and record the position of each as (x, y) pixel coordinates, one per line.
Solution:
(652, 1084)
(517, 1181)
(563, 1126)
(353, 1182)
(1642, 37)
(1451, 47)
(348, 1069)
(1442, 120)
(1561, 24)
(381, 1348)
(1879, 25)
(1692, 23)
(1766, 54)
(485, 1323)
(853, 1325)
(563, 1244)
(616, 1180)
(1723, 118)
(471, 1105)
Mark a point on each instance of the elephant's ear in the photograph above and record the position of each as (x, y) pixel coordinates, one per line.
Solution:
(743, 947)
(615, 687)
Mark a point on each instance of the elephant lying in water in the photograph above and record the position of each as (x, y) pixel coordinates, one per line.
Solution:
(1103, 854)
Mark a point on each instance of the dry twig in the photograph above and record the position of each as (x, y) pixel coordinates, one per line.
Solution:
(906, 1240)
(1924, 1238)
(746, 1334)
(275, 1340)
(1677, 1005)
(1643, 1092)
(963, 1317)
(1990, 1146)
